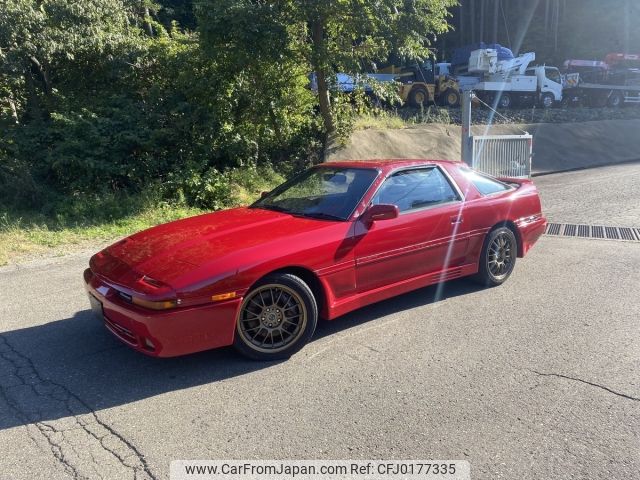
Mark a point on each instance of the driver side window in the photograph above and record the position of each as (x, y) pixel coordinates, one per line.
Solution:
(553, 75)
(415, 189)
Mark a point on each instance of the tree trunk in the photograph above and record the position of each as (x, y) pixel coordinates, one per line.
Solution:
(627, 26)
(546, 17)
(147, 24)
(321, 76)
(276, 126)
(14, 110)
(42, 72)
(461, 16)
(472, 7)
(482, 9)
(33, 109)
(496, 12)
(556, 26)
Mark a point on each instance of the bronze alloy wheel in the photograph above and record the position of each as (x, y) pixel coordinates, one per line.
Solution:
(500, 256)
(272, 318)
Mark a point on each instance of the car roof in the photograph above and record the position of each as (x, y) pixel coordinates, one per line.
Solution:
(387, 164)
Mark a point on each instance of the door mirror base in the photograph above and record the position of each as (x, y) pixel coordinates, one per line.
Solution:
(381, 211)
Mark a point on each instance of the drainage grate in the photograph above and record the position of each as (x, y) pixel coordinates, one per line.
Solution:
(553, 228)
(570, 230)
(583, 230)
(597, 232)
(593, 231)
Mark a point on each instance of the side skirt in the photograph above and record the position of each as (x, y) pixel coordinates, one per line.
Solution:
(358, 300)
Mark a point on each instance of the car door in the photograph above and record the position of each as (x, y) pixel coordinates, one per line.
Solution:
(428, 234)
(552, 82)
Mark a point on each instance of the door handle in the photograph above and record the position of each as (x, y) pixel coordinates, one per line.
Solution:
(456, 219)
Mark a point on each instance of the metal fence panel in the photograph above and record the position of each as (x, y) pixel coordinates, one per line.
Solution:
(503, 155)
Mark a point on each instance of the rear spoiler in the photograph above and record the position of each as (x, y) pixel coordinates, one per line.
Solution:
(515, 181)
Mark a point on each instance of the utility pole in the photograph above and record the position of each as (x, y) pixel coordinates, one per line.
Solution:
(466, 147)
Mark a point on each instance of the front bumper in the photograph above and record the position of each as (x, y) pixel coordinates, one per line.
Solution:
(164, 333)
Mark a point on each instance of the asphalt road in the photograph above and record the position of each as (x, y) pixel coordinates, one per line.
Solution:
(537, 379)
(600, 196)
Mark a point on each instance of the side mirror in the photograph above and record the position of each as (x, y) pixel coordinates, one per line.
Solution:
(263, 194)
(381, 212)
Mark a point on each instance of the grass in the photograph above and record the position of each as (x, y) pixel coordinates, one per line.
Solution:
(385, 119)
(30, 235)
(90, 222)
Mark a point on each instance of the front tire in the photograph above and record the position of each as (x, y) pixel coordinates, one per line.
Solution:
(498, 257)
(418, 97)
(451, 98)
(276, 318)
(505, 100)
(547, 100)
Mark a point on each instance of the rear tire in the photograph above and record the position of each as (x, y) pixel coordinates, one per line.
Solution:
(498, 257)
(615, 100)
(505, 100)
(276, 319)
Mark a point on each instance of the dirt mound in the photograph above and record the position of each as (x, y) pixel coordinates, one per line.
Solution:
(556, 147)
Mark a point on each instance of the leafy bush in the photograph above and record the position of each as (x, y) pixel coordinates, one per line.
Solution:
(170, 119)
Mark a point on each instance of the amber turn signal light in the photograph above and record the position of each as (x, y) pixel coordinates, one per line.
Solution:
(223, 296)
(163, 305)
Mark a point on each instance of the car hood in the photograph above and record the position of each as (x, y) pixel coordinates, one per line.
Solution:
(167, 253)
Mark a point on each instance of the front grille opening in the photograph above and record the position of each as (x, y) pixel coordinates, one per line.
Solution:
(127, 298)
(121, 332)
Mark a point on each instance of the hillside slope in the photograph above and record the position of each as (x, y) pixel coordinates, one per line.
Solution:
(556, 147)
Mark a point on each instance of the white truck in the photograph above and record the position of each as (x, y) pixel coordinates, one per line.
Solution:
(511, 81)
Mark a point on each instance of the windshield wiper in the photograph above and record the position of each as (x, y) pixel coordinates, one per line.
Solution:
(320, 215)
(275, 208)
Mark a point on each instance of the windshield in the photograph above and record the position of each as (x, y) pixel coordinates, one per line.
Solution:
(325, 193)
(553, 74)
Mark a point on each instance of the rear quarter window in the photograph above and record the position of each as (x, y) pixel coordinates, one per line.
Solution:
(486, 185)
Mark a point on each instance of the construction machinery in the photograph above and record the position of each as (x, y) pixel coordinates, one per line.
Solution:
(424, 83)
(613, 82)
(420, 84)
(511, 81)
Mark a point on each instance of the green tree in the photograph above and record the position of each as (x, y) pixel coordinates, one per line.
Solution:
(323, 37)
(39, 39)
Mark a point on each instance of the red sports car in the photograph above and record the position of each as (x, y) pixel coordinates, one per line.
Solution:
(334, 238)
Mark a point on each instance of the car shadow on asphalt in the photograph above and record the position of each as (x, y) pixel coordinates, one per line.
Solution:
(73, 367)
(421, 297)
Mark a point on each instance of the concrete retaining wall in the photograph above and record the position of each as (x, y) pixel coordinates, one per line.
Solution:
(556, 147)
